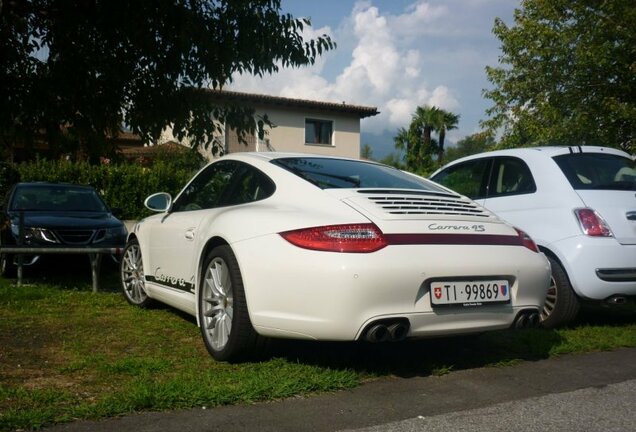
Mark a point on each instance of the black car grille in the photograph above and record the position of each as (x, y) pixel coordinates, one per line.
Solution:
(75, 237)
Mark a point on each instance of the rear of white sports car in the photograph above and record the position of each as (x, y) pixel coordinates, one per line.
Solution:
(378, 264)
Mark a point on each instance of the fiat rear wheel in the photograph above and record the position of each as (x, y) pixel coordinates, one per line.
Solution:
(561, 303)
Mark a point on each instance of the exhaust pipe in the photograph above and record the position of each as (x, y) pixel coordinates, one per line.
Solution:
(534, 319)
(527, 319)
(616, 300)
(377, 333)
(522, 321)
(397, 331)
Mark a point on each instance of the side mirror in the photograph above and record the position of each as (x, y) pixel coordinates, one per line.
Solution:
(159, 202)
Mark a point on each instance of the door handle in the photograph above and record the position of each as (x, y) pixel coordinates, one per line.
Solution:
(631, 215)
(189, 234)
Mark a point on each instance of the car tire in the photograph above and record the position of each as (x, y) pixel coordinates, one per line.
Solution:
(132, 276)
(224, 319)
(562, 304)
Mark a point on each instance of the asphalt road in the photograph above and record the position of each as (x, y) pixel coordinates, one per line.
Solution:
(592, 392)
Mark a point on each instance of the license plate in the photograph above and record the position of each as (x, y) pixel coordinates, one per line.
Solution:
(469, 292)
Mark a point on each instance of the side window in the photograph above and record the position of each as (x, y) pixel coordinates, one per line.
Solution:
(207, 188)
(318, 131)
(511, 176)
(247, 185)
(467, 178)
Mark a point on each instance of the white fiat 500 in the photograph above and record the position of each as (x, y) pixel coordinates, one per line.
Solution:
(264, 245)
(577, 203)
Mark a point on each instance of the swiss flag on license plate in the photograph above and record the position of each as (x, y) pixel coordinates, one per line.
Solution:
(438, 292)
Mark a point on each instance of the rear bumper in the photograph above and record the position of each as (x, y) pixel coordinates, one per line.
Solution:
(598, 268)
(335, 296)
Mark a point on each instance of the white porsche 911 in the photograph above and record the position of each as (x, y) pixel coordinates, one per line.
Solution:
(298, 246)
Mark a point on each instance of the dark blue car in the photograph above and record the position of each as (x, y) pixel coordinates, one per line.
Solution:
(58, 215)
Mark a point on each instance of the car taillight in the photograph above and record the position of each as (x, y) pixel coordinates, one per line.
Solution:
(355, 238)
(592, 223)
(527, 241)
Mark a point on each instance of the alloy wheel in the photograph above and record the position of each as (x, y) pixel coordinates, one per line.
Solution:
(132, 275)
(217, 304)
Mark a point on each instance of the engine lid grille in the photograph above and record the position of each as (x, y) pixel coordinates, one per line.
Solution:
(422, 203)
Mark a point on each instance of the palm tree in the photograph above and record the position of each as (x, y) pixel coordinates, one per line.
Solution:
(404, 142)
(444, 121)
(417, 141)
(424, 121)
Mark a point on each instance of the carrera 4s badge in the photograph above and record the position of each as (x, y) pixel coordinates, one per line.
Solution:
(472, 228)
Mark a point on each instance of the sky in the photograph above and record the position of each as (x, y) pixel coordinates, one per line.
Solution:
(395, 55)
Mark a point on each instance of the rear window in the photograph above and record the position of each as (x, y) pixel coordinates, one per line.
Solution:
(598, 171)
(329, 173)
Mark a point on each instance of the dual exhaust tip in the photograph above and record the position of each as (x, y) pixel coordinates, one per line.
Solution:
(397, 330)
(387, 331)
(527, 319)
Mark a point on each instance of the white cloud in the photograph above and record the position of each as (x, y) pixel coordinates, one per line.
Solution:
(432, 52)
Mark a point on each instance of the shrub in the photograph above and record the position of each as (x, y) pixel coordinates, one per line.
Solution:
(122, 185)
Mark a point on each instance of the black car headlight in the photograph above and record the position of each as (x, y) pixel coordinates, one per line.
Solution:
(39, 235)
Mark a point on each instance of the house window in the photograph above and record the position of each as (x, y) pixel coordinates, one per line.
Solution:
(318, 131)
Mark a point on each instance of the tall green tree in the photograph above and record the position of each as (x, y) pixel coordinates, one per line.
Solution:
(417, 142)
(78, 70)
(567, 74)
(444, 121)
(424, 122)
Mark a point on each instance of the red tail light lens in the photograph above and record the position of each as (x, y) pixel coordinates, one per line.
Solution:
(527, 241)
(592, 223)
(354, 238)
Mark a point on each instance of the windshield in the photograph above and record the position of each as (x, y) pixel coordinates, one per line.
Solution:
(598, 171)
(329, 173)
(56, 198)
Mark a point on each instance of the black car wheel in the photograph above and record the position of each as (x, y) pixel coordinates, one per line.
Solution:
(561, 304)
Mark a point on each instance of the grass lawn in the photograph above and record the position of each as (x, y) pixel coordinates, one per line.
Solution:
(66, 353)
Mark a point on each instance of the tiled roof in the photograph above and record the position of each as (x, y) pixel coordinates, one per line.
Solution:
(360, 110)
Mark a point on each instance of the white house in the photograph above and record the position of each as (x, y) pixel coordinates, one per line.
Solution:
(302, 126)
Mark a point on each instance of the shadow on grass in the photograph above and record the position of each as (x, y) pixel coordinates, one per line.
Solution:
(439, 356)
(422, 357)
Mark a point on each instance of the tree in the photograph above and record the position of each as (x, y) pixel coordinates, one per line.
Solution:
(567, 74)
(470, 145)
(366, 152)
(78, 70)
(425, 120)
(394, 160)
(444, 121)
(417, 141)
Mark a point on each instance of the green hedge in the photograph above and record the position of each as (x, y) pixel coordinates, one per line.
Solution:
(122, 185)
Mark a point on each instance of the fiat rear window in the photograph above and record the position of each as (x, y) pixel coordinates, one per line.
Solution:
(598, 171)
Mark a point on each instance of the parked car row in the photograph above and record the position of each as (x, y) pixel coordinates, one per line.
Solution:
(577, 203)
(274, 245)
